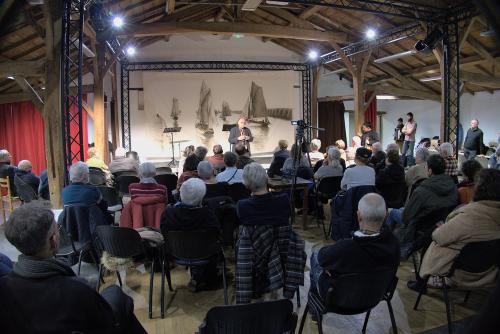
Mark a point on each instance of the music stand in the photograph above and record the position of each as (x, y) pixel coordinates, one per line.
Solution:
(172, 131)
(228, 127)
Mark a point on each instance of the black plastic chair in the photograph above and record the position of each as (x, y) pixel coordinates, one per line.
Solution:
(124, 172)
(169, 181)
(271, 317)
(96, 176)
(238, 191)
(24, 190)
(225, 210)
(475, 257)
(122, 242)
(217, 190)
(326, 189)
(111, 197)
(163, 170)
(276, 166)
(196, 245)
(354, 293)
(123, 182)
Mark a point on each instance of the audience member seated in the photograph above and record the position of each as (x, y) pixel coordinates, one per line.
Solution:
(201, 152)
(369, 135)
(378, 153)
(186, 153)
(148, 200)
(435, 143)
(390, 181)
(371, 248)
(438, 192)
(23, 172)
(494, 161)
(340, 144)
(243, 156)
(424, 143)
(301, 162)
(263, 207)
(279, 158)
(419, 170)
(470, 169)
(133, 155)
(190, 215)
(475, 222)
(315, 154)
(6, 265)
(190, 170)
(207, 174)
(80, 192)
(52, 287)
(390, 147)
(43, 188)
(94, 161)
(361, 174)
(351, 151)
(122, 163)
(231, 174)
(331, 165)
(7, 170)
(451, 169)
(217, 160)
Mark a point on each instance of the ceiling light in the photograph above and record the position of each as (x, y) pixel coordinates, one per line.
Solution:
(238, 35)
(313, 55)
(395, 56)
(10, 77)
(277, 3)
(130, 51)
(117, 21)
(43, 88)
(431, 78)
(251, 5)
(386, 97)
(340, 70)
(370, 33)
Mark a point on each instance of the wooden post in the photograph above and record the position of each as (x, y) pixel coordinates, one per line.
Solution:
(357, 85)
(52, 111)
(100, 124)
(314, 101)
(115, 120)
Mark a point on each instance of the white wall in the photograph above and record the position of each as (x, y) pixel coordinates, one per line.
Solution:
(486, 108)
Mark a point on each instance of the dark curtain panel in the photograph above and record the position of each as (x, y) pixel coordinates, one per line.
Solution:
(331, 117)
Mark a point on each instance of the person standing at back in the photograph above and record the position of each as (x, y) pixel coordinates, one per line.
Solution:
(409, 130)
(399, 136)
(473, 142)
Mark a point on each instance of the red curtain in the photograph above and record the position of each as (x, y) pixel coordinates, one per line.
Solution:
(371, 111)
(22, 134)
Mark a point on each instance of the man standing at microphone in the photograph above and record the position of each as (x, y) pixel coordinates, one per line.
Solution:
(241, 135)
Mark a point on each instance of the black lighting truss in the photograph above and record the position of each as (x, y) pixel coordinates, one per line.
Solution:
(71, 81)
(451, 83)
(202, 66)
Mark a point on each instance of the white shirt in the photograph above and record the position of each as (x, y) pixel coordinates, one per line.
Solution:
(230, 175)
(358, 176)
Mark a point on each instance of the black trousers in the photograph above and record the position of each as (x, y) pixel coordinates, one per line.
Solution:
(123, 310)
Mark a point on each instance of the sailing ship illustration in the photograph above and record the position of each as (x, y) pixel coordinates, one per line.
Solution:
(204, 114)
(175, 113)
(255, 109)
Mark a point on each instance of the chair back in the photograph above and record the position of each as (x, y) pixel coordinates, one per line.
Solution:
(199, 244)
(110, 195)
(359, 292)
(163, 170)
(120, 242)
(270, 317)
(24, 190)
(328, 187)
(238, 191)
(96, 176)
(125, 172)
(170, 182)
(123, 181)
(80, 222)
(217, 189)
(276, 166)
(478, 257)
(305, 173)
(5, 189)
(225, 210)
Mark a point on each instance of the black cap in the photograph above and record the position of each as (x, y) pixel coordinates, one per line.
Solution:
(363, 153)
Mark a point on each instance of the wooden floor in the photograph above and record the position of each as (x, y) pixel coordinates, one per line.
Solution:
(187, 310)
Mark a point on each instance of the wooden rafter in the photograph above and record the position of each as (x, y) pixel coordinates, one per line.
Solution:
(32, 93)
(22, 68)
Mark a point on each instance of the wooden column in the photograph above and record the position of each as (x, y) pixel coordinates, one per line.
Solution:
(314, 101)
(100, 120)
(52, 110)
(357, 85)
(115, 119)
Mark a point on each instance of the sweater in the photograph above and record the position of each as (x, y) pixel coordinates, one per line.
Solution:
(267, 209)
(29, 178)
(181, 217)
(358, 176)
(474, 140)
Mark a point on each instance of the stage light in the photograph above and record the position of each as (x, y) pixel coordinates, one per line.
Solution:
(431, 79)
(313, 55)
(370, 33)
(395, 56)
(430, 41)
(117, 21)
(10, 77)
(130, 51)
(386, 97)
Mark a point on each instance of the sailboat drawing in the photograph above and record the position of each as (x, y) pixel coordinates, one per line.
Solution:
(205, 117)
(175, 113)
(255, 109)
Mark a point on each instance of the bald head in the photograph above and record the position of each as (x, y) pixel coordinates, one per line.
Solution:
(371, 212)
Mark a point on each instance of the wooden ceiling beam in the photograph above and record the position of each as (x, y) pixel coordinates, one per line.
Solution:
(409, 82)
(480, 79)
(22, 68)
(5, 7)
(275, 31)
(480, 49)
(14, 97)
(170, 6)
(423, 95)
(309, 12)
(30, 91)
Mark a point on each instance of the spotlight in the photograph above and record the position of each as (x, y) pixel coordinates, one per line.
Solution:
(10, 77)
(313, 55)
(117, 22)
(130, 51)
(370, 33)
(430, 41)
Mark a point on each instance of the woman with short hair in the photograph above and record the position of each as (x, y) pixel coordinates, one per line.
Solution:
(447, 152)
(333, 167)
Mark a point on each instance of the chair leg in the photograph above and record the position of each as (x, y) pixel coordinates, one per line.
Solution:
(393, 320)
(466, 298)
(303, 320)
(151, 282)
(366, 321)
(447, 303)
(224, 279)
(169, 278)
(415, 267)
(162, 285)
(80, 261)
(119, 278)
(422, 289)
(298, 297)
(319, 317)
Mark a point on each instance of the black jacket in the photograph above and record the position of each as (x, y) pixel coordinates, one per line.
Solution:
(269, 209)
(474, 140)
(391, 184)
(372, 135)
(8, 170)
(242, 161)
(379, 156)
(180, 217)
(29, 178)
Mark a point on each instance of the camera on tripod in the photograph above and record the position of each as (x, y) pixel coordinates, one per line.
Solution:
(300, 123)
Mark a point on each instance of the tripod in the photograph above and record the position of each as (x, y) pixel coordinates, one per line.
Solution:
(172, 162)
